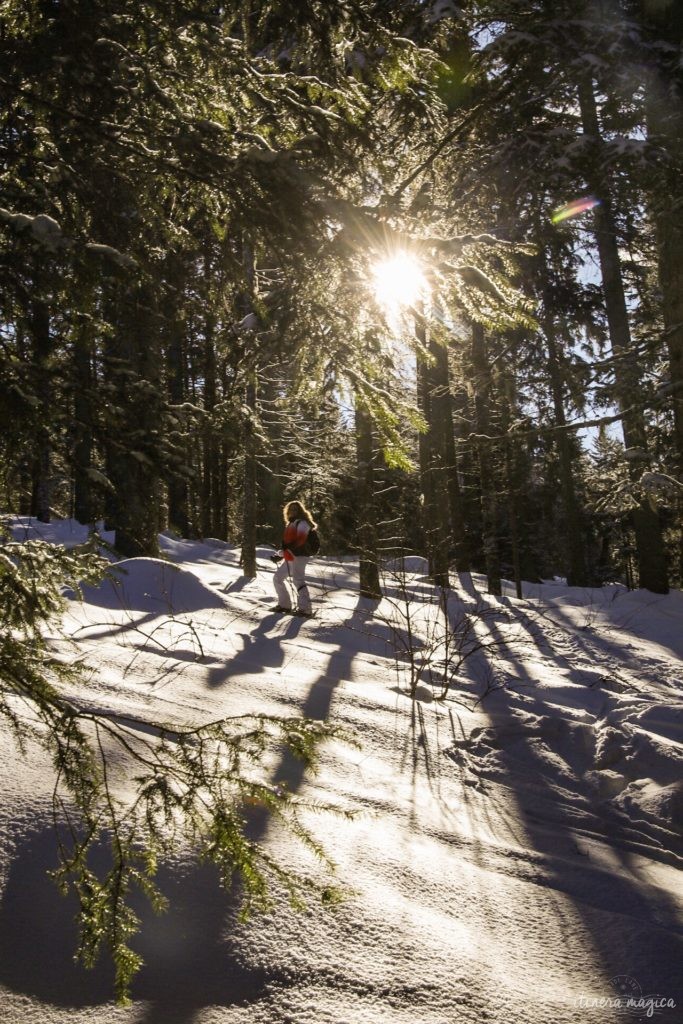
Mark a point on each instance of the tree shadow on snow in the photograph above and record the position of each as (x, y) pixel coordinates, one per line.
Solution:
(190, 960)
(632, 925)
(193, 957)
(260, 651)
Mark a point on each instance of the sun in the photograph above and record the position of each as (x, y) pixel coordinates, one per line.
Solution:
(398, 281)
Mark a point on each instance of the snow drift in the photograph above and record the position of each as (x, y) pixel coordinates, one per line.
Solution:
(516, 857)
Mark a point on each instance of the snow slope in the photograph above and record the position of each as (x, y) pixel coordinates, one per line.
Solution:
(515, 858)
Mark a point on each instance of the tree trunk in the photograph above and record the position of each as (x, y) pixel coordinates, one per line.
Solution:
(249, 506)
(442, 406)
(513, 482)
(133, 366)
(652, 568)
(41, 472)
(670, 242)
(664, 110)
(432, 469)
(222, 523)
(577, 573)
(365, 504)
(513, 516)
(467, 467)
(209, 450)
(178, 491)
(664, 107)
(83, 375)
(481, 378)
(250, 500)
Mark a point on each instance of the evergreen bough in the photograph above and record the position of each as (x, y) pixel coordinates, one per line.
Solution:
(144, 794)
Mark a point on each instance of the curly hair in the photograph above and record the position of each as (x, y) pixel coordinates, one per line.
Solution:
(297, 510)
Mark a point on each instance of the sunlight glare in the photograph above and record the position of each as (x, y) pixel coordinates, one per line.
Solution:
(398, 281)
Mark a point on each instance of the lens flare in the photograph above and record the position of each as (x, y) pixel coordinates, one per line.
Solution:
(398, 281)
(575, 207)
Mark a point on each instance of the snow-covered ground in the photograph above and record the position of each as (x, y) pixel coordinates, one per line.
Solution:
(514, 859)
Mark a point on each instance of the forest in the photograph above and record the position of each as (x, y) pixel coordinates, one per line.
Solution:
(417, 266)
(198, 202)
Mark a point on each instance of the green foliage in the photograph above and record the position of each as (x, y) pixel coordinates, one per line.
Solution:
(193, 198)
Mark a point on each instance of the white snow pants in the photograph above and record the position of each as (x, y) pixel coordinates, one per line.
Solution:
(295, 572)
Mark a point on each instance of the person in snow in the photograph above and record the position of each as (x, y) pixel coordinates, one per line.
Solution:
(292, 561)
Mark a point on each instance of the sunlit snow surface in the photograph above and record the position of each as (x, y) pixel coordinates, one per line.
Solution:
(513, 861)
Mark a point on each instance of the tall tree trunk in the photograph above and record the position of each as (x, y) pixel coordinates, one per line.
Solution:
(178, 491)
(432, 467)
(487, 476)
(466, 469)
(652, 568)
(664, 106)
(512, 482)
(222, 523)
(670, 243)
(42, 459)
(442, 407)
(83, 376)
(513, 515)
(664, 110)
(175, 328)
(133, 457)
(25, 468)
(209, 450)
(250, 501)
(577, 573)
(365, 504)
(249, 506)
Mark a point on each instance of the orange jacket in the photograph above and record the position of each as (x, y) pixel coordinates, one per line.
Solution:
(294, 536)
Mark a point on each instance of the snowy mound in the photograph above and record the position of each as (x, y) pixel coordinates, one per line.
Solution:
(152, 585)
(191, 551)
(411, 564)
(68, 532)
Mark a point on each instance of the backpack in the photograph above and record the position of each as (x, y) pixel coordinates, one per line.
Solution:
(311, 546)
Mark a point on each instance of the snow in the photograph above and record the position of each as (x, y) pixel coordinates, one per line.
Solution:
(109, 252)
(441, 9)
(249, 323)
(48, 233)
(67, 532)
(45, 229)
(152, 585)
(515, 858)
